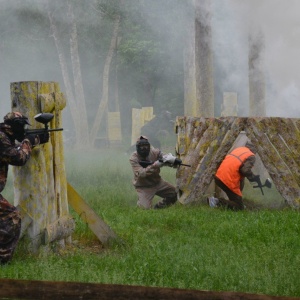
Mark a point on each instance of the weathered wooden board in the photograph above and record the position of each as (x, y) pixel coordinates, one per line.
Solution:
(204, 142)
(276, 157)
(60, 229)
(48, 290)
(103, 232)
(114, 127)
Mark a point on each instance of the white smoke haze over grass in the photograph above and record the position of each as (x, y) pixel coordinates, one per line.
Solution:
(232, 20)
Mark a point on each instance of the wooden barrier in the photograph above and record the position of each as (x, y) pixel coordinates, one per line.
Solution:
(114, 128)
(49, 290)
(204, 142)
(103, 232)
(139, 118)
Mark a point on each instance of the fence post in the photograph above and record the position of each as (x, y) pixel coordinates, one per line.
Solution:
(40, 187)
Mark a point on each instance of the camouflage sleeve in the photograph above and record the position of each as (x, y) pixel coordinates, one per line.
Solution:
(16, 155)
(246, 168)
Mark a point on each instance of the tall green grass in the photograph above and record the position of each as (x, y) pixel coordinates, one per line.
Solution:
(193, 247)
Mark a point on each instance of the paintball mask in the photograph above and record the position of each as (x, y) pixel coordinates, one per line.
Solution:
(17, 122)
(143, 146)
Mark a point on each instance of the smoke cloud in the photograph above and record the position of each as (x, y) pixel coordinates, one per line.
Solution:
(232, 22)
(279, 23)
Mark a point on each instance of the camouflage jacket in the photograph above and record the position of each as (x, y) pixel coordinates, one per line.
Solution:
(146, 177)
(10, 153)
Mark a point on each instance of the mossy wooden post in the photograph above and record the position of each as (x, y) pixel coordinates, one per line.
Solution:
(54, 230)
(40, 185)
(198, 63)
(257, 80)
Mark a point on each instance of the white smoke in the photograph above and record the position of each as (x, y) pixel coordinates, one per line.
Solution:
(279, 22)
(233, 20)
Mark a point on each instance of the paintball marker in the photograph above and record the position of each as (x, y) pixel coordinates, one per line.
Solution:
(268, 183)
(178, 162)
(43, 118)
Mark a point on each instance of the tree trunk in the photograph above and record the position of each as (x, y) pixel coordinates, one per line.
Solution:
(77, 100)
(198, 64)
(257, 86)
(104, 100)
(65, 74)
(78, 86)
(204, 59)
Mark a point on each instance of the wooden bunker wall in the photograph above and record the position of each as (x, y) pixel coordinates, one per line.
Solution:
(204, 142)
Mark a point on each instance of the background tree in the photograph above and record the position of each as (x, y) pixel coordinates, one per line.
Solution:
(76, 42)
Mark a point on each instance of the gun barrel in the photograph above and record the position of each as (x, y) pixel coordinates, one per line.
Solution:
(41, 130)
(185, 165)
(56, 129)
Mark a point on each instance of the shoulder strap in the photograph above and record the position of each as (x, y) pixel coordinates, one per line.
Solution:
(238, 157)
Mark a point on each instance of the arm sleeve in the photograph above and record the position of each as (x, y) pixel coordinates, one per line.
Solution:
(16, 155)
(141, 172)
(246, 168)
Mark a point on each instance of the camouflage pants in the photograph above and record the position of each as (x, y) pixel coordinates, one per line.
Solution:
(10, 227)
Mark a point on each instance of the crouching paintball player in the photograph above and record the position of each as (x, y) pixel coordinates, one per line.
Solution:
(17, 154)
(230, 177)
(146, 162)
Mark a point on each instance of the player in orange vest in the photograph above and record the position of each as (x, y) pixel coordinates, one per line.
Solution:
(230, 176)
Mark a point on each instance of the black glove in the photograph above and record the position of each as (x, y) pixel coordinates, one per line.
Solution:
(31, 138)
(254, 178)
(44, 137)
(177, 162)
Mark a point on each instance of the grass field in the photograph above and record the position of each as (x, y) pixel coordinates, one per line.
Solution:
(193, 247)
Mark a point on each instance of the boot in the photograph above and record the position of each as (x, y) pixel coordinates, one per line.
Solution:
(165, 203)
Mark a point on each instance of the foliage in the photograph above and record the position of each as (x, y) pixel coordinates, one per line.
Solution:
(193, 247)
(151, 52)
(148, 63)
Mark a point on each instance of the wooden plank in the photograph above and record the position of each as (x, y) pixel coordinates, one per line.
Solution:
(209, 140)
(191, 135)
(136, 117)
(60, 229)
(114, 126)
(279, 171)
(48, 290)
(278, 132)
(218, 142)
(139, 118)
(103, 232)
(147, 115)
(192, 154)
(213, 144)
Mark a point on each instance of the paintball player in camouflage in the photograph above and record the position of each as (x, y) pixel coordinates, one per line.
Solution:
(11, 153)
(147, 180)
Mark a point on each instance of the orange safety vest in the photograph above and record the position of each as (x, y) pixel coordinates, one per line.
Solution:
(228, 171)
